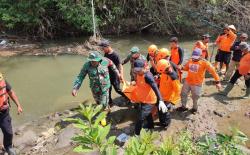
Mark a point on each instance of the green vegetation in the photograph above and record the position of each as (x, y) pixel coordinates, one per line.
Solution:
(94, 137)
(53, 18)
(223, 144)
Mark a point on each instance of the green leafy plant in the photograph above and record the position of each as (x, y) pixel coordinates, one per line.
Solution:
(143, 144)
(186, 144)
(168, 147)
(93, 136)
(223, 144)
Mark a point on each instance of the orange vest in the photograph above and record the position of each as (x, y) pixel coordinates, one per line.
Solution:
(3, 94)
(141, 92)
(175, 58)
(203, 47)
(170, 89)
(244, 67)
(196, 71)
(225, 41)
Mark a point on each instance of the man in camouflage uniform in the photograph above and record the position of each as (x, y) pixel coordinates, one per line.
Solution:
(97, 69)
(134, 55)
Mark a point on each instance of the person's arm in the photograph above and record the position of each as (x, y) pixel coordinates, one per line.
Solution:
(148, 57)
(175, 67)
(112, 66)
(120, 67)
(234, 47)
(150, 80)
(212, 71)
(121, 72)
(232, 35)
(186, 66)
(126, 60)
(80, 78)
(14, 98)
(181, 55)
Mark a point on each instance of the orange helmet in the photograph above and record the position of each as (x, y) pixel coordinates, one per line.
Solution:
(162, 65)
(152, 49)
(163, 53)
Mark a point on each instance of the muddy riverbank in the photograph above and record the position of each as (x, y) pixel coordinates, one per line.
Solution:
(39, 49)
(50, 135)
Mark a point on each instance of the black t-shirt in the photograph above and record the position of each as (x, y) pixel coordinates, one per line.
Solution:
(114, 57)
(237, 53)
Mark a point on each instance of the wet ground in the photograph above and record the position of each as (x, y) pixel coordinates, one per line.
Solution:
(215, 114)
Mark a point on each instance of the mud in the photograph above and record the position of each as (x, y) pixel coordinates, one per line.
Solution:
(50, 135)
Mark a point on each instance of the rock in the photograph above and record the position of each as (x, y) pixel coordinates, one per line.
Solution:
(220, 113)
(28, 138)
(48, 133)
(64, 138)
(68, 112)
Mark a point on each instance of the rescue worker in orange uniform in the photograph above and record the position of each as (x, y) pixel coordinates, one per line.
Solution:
(164, 53)
(196, 68)
(151, 57)
(243, 70)
(203, 45)
(237, 54)
(145, 92)
(5, 119)
(170, 88)
(177, 53)
(224, 43)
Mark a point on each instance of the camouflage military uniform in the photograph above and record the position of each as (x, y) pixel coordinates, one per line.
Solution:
(129, 58)
(99, 79)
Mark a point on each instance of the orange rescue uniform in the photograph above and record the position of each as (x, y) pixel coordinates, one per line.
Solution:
(203, 47)
(196, 71)
(244, 67)
(141, 92)
(170, 89)
(225, 41)
(175, 57)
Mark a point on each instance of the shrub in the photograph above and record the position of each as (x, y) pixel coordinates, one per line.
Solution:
(93, 136)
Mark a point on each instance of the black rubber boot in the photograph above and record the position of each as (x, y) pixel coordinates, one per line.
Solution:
(228, 88)
(11, 151)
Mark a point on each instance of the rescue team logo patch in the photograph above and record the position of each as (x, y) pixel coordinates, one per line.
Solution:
(194, 68)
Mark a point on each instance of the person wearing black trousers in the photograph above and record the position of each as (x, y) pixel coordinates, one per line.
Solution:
(242, 70)
(115, 58)
(5, 120)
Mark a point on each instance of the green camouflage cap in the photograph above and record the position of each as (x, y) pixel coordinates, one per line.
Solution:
(134, 50)
(94, 56)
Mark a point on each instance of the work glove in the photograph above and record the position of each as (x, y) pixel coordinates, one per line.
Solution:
(162, 107)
